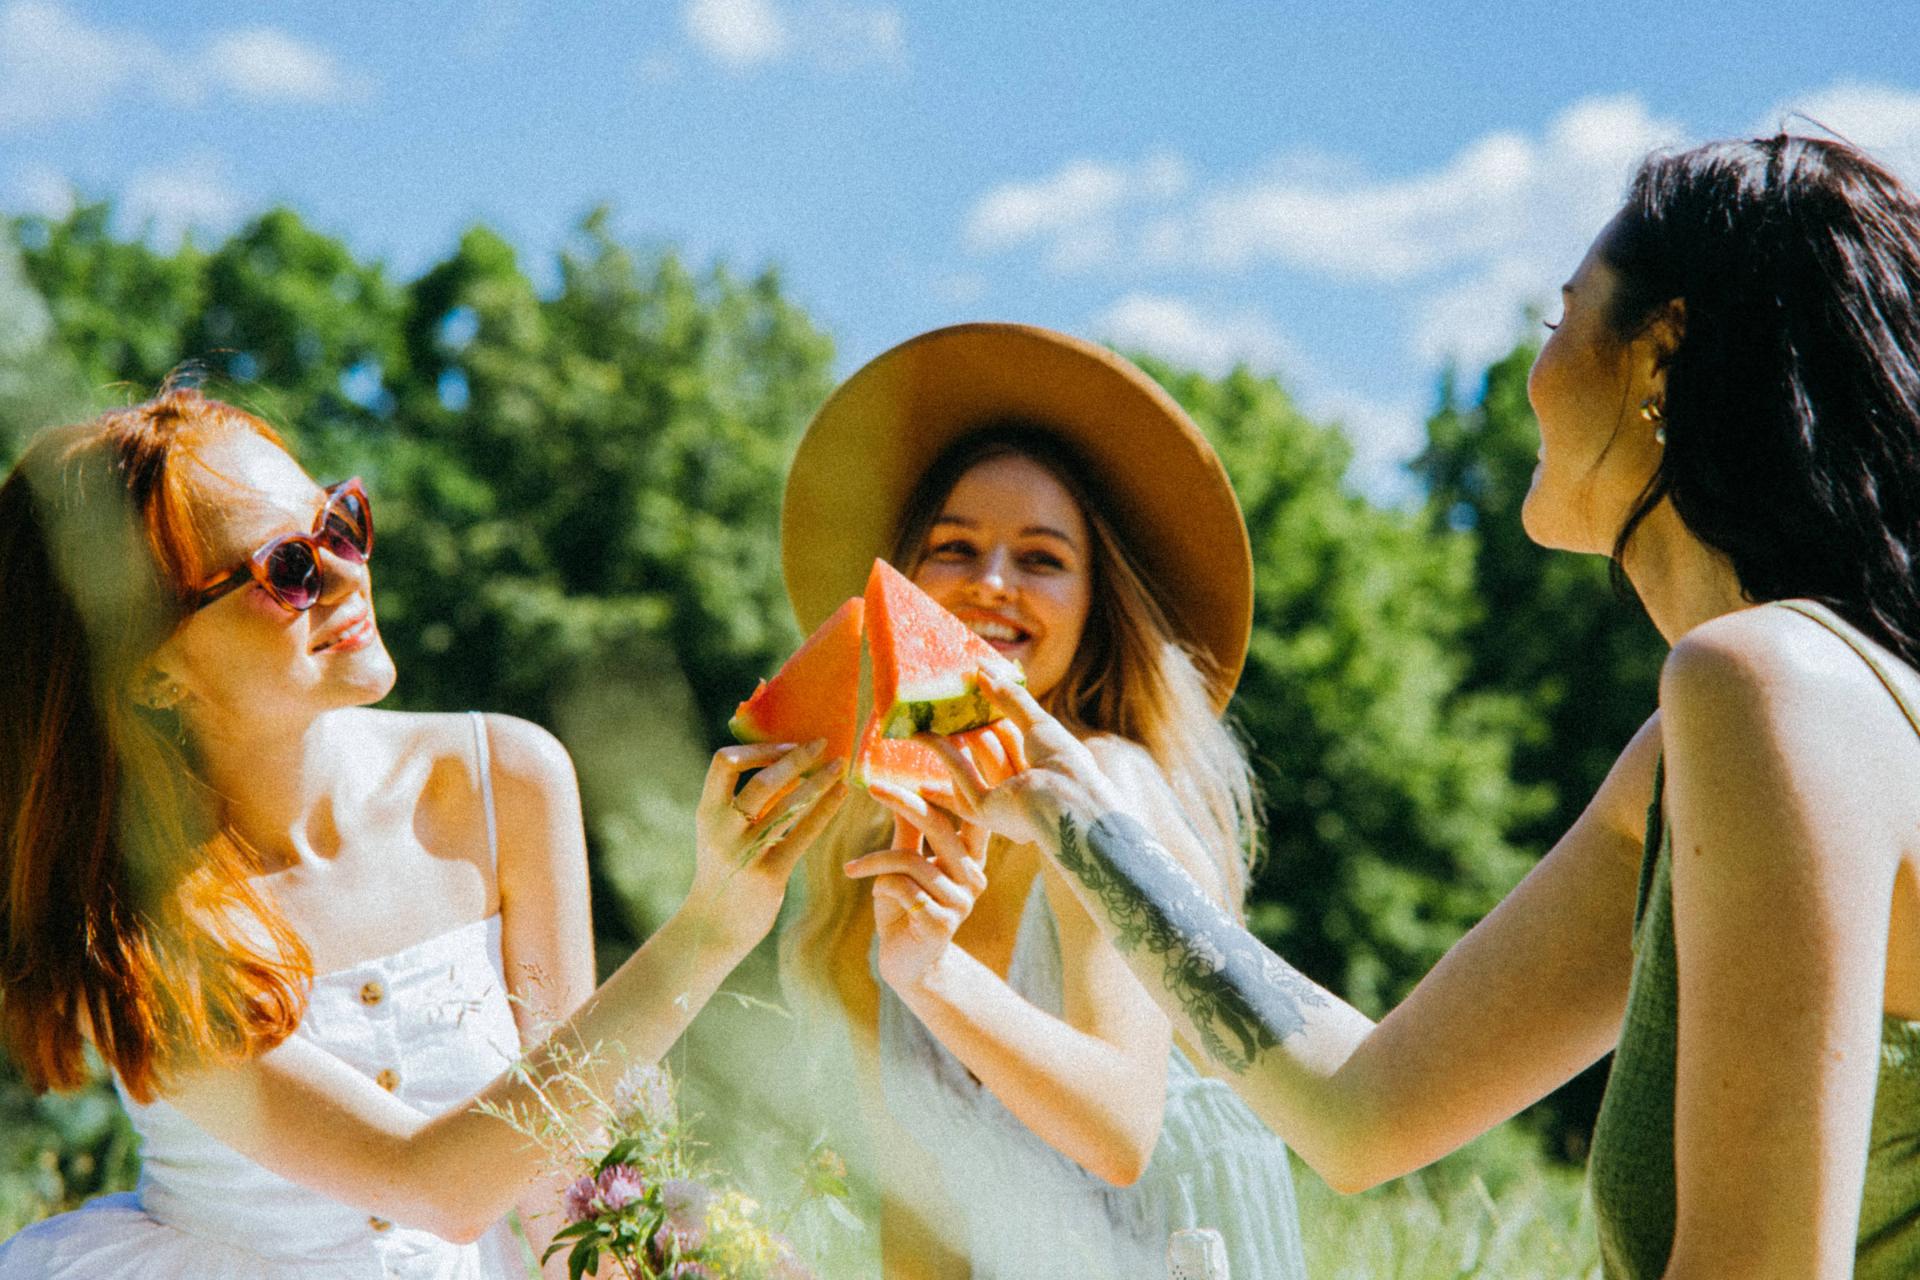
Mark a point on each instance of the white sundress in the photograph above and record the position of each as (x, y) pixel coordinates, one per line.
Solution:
(1029, 1212)
(431, 1023)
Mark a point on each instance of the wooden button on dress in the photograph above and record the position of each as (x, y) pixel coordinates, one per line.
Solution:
(373, 992)
(388, 1079)
(379, 1224)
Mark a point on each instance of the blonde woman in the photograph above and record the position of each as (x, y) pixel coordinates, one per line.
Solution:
(1033, 1115)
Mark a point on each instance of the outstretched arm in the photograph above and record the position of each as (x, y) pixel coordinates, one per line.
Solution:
(309, 1117)
(1530, 996)
(546, 922)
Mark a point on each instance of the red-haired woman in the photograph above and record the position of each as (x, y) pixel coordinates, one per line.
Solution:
(304, 935)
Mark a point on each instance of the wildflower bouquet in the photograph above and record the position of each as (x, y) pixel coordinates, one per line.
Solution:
(640, 1202)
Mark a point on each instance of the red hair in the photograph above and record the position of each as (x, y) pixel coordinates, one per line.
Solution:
(127, 915)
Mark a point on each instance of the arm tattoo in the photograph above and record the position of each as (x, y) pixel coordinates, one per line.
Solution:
(1241, 998)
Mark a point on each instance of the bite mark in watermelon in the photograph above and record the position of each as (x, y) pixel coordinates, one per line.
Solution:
(925, 661)
(816, 694)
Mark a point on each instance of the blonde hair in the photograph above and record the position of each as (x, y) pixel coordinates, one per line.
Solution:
(1130, 676)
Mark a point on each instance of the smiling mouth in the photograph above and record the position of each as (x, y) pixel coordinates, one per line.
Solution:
(998, 633)
(350, 637)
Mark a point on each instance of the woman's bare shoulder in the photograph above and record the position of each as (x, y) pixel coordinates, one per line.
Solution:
(1783, 675)
(515, 750)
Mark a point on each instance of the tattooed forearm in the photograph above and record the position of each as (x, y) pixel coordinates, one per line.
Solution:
(1241, 998)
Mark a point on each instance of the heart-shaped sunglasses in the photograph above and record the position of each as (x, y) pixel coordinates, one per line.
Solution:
(288, 568)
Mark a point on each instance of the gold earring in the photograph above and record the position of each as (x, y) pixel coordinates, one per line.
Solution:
(159, 693)
(1652, 410)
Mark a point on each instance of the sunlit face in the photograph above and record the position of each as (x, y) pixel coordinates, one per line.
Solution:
(245, 656)
(1596, 451)
(1010, 556)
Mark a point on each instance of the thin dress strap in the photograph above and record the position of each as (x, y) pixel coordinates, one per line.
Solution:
(484, 760)
(1858, 643)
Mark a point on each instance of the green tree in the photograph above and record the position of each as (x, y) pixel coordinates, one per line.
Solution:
(38, 382)
(1551, 631)
(572, 488)
(119, 307)
(1387, 782)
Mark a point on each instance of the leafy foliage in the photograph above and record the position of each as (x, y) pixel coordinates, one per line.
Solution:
(1388, 800)
(579, 485)
(1551, 634)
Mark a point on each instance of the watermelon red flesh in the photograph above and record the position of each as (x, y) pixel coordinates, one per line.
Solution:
(925, 661)
(816, 694)
(908, 765)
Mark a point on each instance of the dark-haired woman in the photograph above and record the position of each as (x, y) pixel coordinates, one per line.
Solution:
(1730, 407)
(305, 935)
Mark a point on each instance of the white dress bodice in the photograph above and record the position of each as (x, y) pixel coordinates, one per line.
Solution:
(431, 1023)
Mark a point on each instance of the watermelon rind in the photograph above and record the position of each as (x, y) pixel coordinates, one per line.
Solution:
(743, 726)
(967, 708)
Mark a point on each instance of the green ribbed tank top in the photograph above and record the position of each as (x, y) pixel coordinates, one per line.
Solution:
(1631, 1168)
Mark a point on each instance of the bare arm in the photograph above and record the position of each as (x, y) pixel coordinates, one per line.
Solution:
(1531, 995)
(1090, 1083)
(546, 921)
(1788, 771)
(307, 1116)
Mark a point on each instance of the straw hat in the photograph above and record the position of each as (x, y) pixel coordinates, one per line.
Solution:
(1160, 482)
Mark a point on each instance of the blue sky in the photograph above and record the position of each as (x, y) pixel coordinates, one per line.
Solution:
(1345, 194)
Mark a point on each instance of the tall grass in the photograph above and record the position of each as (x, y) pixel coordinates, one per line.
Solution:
(1495, 1210)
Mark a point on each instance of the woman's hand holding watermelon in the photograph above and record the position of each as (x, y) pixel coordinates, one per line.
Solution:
(747, 841)
(1058, 776)
(921, 898)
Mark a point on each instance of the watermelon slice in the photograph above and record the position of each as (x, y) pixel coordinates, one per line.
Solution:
(906, 764)
(925, 661)
(816, 694)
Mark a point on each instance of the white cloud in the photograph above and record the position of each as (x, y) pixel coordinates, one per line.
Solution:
(1475, 238)
(1477, 319)
(737, 33)
(264, 65)
(835, 35)
(1076, 212)
(56, 66)
(44, 191)
(170, 201)
(1384, 434)
(1880, 118)
(1180, 331)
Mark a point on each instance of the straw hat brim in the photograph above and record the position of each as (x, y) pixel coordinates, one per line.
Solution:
(1160, 482)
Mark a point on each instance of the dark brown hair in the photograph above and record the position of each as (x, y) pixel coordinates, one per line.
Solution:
(1793, 399)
